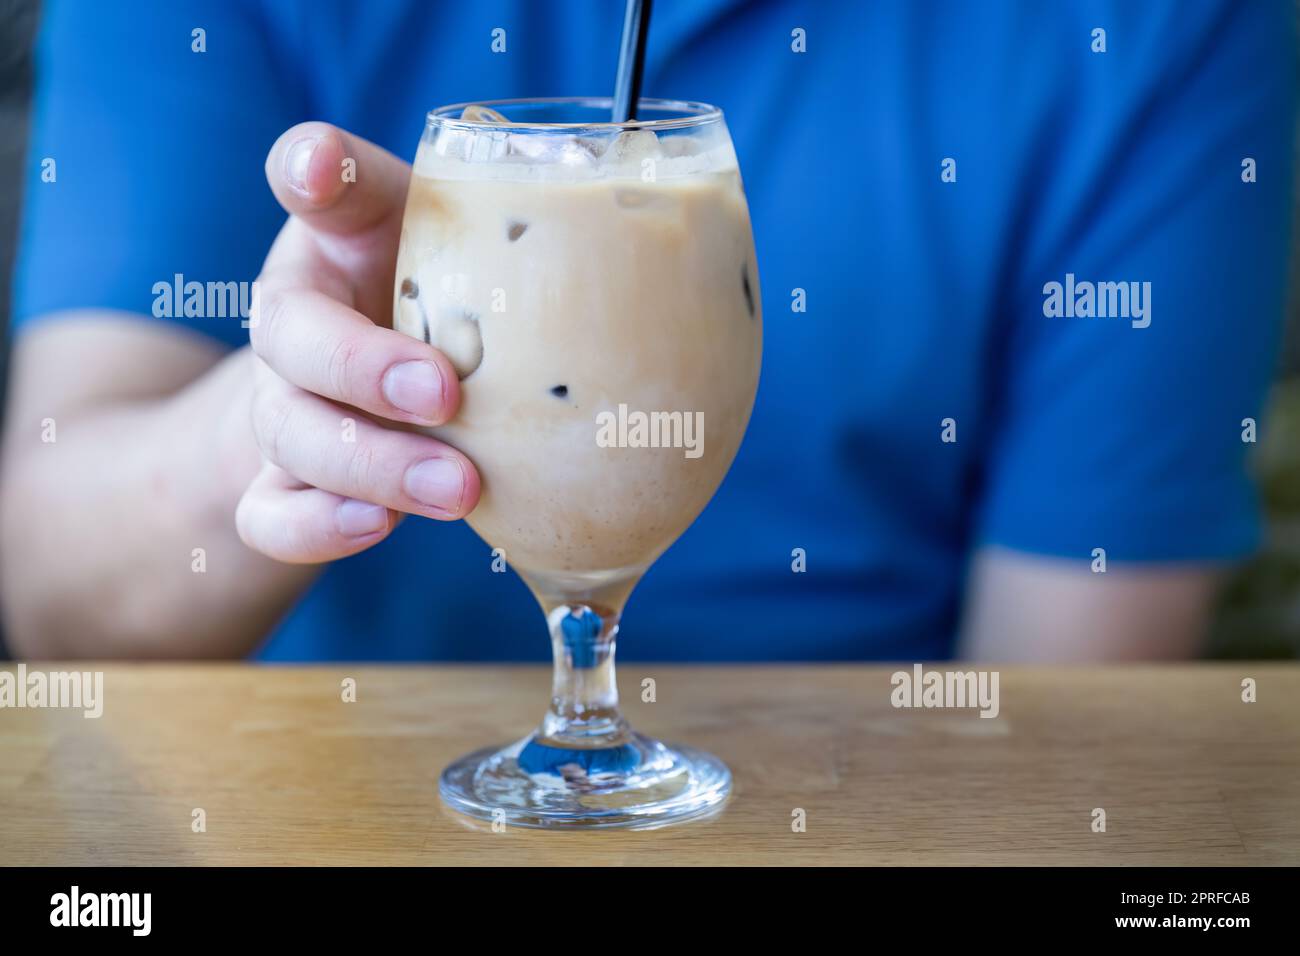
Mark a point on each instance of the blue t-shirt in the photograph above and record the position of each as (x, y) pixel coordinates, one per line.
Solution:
(918, 173)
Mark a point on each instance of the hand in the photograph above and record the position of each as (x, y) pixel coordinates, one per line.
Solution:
(325, 353)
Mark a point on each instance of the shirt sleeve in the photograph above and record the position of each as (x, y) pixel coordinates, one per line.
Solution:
(1177, 172)
(146, 154)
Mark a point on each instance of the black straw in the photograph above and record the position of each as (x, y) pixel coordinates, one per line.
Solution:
(631, 60)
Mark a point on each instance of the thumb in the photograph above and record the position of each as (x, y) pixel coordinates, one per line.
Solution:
(335, 182)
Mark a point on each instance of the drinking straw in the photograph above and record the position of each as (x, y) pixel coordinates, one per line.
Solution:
(631, 60)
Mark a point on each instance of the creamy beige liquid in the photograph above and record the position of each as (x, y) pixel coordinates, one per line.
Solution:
(560, 299)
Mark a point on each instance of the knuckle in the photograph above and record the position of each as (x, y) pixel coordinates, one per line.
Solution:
(273, 414)
(342, 362)
(364, 468)
(267, 526)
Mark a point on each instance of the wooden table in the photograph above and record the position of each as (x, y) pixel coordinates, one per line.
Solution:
(287, 773)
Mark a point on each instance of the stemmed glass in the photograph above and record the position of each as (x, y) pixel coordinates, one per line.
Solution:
(595, 286)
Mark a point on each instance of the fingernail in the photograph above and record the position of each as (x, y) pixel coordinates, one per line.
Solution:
(298, 160)
(436, 482)
(415, 387)
(356, 519)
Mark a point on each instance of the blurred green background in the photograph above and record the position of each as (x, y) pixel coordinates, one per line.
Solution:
(1258, 612)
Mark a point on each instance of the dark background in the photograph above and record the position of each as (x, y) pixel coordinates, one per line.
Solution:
(1259, 611)
(17, 28)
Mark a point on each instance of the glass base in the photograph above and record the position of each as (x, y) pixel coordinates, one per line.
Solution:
(640, 784)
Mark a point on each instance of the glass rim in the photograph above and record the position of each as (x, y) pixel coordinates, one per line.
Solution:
(697, 114)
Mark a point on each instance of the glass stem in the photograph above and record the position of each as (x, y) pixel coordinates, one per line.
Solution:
(584, 709)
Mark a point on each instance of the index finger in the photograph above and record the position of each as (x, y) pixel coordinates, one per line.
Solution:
(337, 183)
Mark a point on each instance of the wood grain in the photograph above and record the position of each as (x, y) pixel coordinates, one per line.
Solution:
(287, 773)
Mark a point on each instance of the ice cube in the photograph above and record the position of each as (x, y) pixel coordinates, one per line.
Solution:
(482, 114)
(576, 152)
(456, 334)
(673, 146)
(526, 147)
(488, 145)
(633, 145)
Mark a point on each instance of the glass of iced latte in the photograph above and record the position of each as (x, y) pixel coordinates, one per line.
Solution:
(594, 284)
